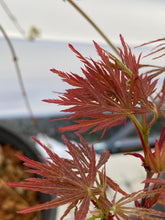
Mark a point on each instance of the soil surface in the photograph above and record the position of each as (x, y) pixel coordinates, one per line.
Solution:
(14, 199)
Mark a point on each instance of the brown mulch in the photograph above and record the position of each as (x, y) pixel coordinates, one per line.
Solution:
(14, 199)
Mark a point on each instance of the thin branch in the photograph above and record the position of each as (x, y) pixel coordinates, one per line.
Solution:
(12, 17)
(18, 71)
(94, 25)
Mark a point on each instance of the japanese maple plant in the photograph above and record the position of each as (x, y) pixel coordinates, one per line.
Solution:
(110, 90)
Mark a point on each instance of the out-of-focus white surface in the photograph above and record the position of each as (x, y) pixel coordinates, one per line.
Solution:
(60, 24)
(35, 60)
(56, 146)
(137, 20)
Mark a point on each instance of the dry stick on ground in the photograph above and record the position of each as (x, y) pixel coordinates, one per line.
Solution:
(18, 71)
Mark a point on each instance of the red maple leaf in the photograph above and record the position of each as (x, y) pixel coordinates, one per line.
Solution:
(110, 91)
(156, 159)
(71, 180)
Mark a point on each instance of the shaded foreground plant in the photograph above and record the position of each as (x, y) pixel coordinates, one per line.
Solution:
(110, 90)
(81, 181)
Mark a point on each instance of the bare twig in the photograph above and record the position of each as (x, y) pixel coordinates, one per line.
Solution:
(94, 25)
(18, 71)
(12, 17)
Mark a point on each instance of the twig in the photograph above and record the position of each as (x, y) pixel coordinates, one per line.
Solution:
(12, 17)
(15, 59)
(94, 25)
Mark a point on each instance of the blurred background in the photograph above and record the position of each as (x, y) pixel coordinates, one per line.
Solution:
(58, 24)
